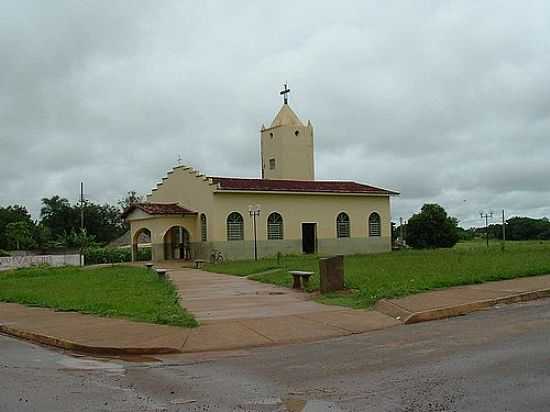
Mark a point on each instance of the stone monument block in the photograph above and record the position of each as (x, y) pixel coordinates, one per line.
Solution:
(331, 272)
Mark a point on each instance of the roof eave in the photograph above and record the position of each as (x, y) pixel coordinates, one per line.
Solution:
(303, 192)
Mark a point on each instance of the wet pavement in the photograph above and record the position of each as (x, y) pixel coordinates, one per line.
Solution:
(495, 360)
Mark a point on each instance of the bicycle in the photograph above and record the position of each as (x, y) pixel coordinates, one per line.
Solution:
(216, 256)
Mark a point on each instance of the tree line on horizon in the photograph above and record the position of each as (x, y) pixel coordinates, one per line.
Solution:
(59, 225)
(433, 228)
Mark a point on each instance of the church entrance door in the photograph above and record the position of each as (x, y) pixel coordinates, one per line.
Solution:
(176, 244)
(309, 237)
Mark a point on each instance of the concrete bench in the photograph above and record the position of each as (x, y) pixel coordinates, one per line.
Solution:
(197, 263)
(149, 266)
(300, 278)
(161, 273)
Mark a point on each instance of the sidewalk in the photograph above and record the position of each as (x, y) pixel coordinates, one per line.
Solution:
(92, 334)
(460, 300)
(233, 317)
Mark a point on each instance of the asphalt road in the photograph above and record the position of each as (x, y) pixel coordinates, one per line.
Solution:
(497, 360)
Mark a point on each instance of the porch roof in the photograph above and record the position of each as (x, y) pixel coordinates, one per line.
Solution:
(159, 209)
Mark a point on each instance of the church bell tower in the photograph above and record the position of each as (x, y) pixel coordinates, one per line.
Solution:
(287, 146)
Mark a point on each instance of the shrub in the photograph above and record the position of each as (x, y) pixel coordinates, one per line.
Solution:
(432, 228)
(96, 255)
(3, 253)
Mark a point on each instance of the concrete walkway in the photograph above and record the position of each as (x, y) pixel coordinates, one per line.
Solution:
(212, 296)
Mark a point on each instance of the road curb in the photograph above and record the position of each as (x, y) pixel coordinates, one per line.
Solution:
(87, 349)
(394, 310)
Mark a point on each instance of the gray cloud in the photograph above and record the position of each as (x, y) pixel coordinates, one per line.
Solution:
(445, 102)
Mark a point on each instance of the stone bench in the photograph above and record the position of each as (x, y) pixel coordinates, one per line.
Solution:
(148, 266)
(161, 273)
(300, 278)
(197, 263)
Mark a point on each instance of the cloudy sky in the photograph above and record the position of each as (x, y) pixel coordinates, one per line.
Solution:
(445, 101)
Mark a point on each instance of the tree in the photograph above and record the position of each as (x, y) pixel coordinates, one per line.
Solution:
(525, 228)
(432, 228)
(20, 234)
(59, 216)
(76, 239)
(131, 198)
(9, 215)
(61, 219)
(103, 222)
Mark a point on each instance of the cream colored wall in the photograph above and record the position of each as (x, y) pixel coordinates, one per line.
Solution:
(298, 209)
(293, 154)
(190, 189)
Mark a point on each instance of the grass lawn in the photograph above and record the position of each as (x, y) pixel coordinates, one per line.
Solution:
(394, 274)
(119, 291)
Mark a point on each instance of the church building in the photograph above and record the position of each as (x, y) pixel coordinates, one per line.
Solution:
(189, 215)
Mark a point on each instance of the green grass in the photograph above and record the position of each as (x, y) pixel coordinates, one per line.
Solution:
(373, 277)
(119, 291)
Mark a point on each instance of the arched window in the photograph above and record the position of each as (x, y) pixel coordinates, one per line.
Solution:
(204, 228)
(375, 228)
(235, 226)
(275, 227)
(342, 225)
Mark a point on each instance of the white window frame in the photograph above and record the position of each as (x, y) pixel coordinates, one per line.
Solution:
(275, 231)
(343, 228)
(375, 230)
(235, 230)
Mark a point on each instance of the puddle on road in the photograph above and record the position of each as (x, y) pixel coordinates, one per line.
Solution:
(299, 405)
(89, 364)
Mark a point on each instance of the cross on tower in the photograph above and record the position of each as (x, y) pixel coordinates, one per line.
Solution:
(285, 92)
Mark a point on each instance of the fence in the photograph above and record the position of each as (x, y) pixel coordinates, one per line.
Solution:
(27, 261)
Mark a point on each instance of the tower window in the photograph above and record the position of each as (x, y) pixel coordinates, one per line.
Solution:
(271, 135)
(272, 164)
(296, 133)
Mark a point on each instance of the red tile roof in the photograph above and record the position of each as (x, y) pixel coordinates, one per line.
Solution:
(158, 209)
(269, 185)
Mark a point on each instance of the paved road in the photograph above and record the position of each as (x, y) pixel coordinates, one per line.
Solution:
(497, 360)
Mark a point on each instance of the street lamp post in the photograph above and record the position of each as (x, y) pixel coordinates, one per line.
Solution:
(253, 211)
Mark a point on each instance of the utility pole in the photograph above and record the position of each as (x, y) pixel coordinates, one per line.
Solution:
(401, 238)
(503, 230)
(81, 206)
(486, 216)
(81, 220)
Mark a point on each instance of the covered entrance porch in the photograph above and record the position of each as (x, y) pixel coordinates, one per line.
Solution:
(172, 230)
